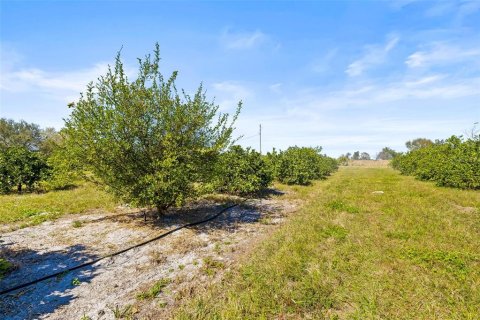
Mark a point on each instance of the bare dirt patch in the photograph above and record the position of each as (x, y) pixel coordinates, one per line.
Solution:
(144, 283)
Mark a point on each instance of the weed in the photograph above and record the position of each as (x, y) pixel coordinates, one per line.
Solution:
(210, 266)
(217, 248)
(126, 312)
(154, 290)
(76, 282)
(77, 224)
(5, 267)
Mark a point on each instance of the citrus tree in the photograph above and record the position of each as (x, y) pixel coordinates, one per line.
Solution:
(150, 144)
(242, 171)
(20, 167)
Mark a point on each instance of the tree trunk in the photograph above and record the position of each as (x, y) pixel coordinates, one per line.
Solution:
(19, 188)
(161, 209)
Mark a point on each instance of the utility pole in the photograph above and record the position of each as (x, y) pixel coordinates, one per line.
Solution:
(260, 138)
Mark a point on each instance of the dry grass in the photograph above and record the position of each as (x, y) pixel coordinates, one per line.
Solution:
(369, 163)
(186, 242)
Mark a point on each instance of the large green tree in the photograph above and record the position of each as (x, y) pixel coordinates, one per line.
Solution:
(19, 134)
(151, 145)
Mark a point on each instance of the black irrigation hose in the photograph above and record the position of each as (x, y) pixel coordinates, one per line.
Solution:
(116, 253)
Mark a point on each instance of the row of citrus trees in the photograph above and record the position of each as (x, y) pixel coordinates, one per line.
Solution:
(151, 145)
(454, 162)
(238, 170)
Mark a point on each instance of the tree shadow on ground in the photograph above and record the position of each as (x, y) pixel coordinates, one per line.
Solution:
(246, 212)
(46, 296)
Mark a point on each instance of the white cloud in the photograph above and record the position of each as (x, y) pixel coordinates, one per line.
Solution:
(229, 93)
(424, 81)
(276, 88)
(243, 40)
(442, 54)
(27, 79)
(374, 55)
(312, 103)
(62, 86)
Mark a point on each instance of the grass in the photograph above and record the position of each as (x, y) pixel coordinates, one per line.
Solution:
(409, 253)
(31, 209)
(5, 267)
(210, 266)
(154, 290)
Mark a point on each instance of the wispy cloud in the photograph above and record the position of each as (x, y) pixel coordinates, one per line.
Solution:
(243, 40)
(374, 55)
(229, 93)
(310, 103)
(276, 87)
(443, 54)
(61, 86)
(27, 79)
(459, 9)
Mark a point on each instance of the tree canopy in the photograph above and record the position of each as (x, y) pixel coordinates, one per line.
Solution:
(418, 143)
(150, 144)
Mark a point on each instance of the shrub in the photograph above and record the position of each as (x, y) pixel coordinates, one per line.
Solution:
(301, 165)
(242, 171)
(454, 162)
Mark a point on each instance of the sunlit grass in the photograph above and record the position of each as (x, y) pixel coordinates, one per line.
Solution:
(30, 209)
(409, 253)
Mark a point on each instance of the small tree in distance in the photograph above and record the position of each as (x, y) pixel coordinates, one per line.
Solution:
(387, 154)
(149, 144)
(418, 143)
(364, 156)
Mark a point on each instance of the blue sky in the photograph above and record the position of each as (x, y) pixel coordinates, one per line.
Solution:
(345, 75)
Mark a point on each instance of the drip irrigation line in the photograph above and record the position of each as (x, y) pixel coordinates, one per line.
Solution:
(83, 265)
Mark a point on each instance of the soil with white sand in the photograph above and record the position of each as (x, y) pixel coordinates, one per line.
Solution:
(111, 288)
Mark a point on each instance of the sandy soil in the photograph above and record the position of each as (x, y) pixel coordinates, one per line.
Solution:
(109, 289)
